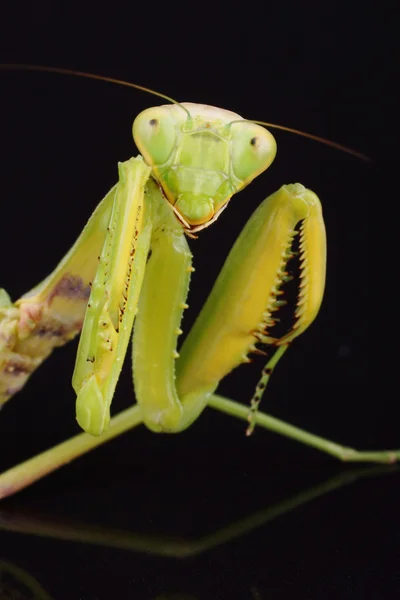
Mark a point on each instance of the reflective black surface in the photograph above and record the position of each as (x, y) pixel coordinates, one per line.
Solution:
(207, 514)
(219, 536)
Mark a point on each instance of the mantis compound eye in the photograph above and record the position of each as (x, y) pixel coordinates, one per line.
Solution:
(154, 132)
(253, 150)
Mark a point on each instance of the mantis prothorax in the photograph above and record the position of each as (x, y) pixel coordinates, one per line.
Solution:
(132, 264)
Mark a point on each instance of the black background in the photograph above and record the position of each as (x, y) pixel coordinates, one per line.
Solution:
(326, 69)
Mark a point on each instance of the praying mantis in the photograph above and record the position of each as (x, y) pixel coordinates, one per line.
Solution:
(130, 269)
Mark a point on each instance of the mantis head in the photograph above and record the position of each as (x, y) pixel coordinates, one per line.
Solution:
(201, 156)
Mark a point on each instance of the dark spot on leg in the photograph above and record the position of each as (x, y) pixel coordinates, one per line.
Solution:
(70, 286)
(48, 331)
(15, 369)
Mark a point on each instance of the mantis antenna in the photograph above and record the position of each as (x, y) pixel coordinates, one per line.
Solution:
(74, 73)
(316, 138)
(23, 67)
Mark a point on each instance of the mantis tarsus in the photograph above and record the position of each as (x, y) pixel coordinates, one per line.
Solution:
(133, 258)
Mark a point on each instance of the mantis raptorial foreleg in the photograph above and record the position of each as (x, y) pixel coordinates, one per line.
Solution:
(113, 300)
(149, 222)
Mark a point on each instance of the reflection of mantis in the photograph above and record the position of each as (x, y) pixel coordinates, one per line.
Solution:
(55, 527)
(132, 257)
(178, 548)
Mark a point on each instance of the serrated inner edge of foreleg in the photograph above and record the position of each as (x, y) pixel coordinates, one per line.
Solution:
(129, 266)
(274, 303)
(302, 300)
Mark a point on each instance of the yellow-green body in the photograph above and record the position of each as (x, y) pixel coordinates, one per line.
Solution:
(131, 267)
(197, 158)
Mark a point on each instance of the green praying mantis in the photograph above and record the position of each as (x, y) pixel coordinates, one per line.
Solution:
(130, 269)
